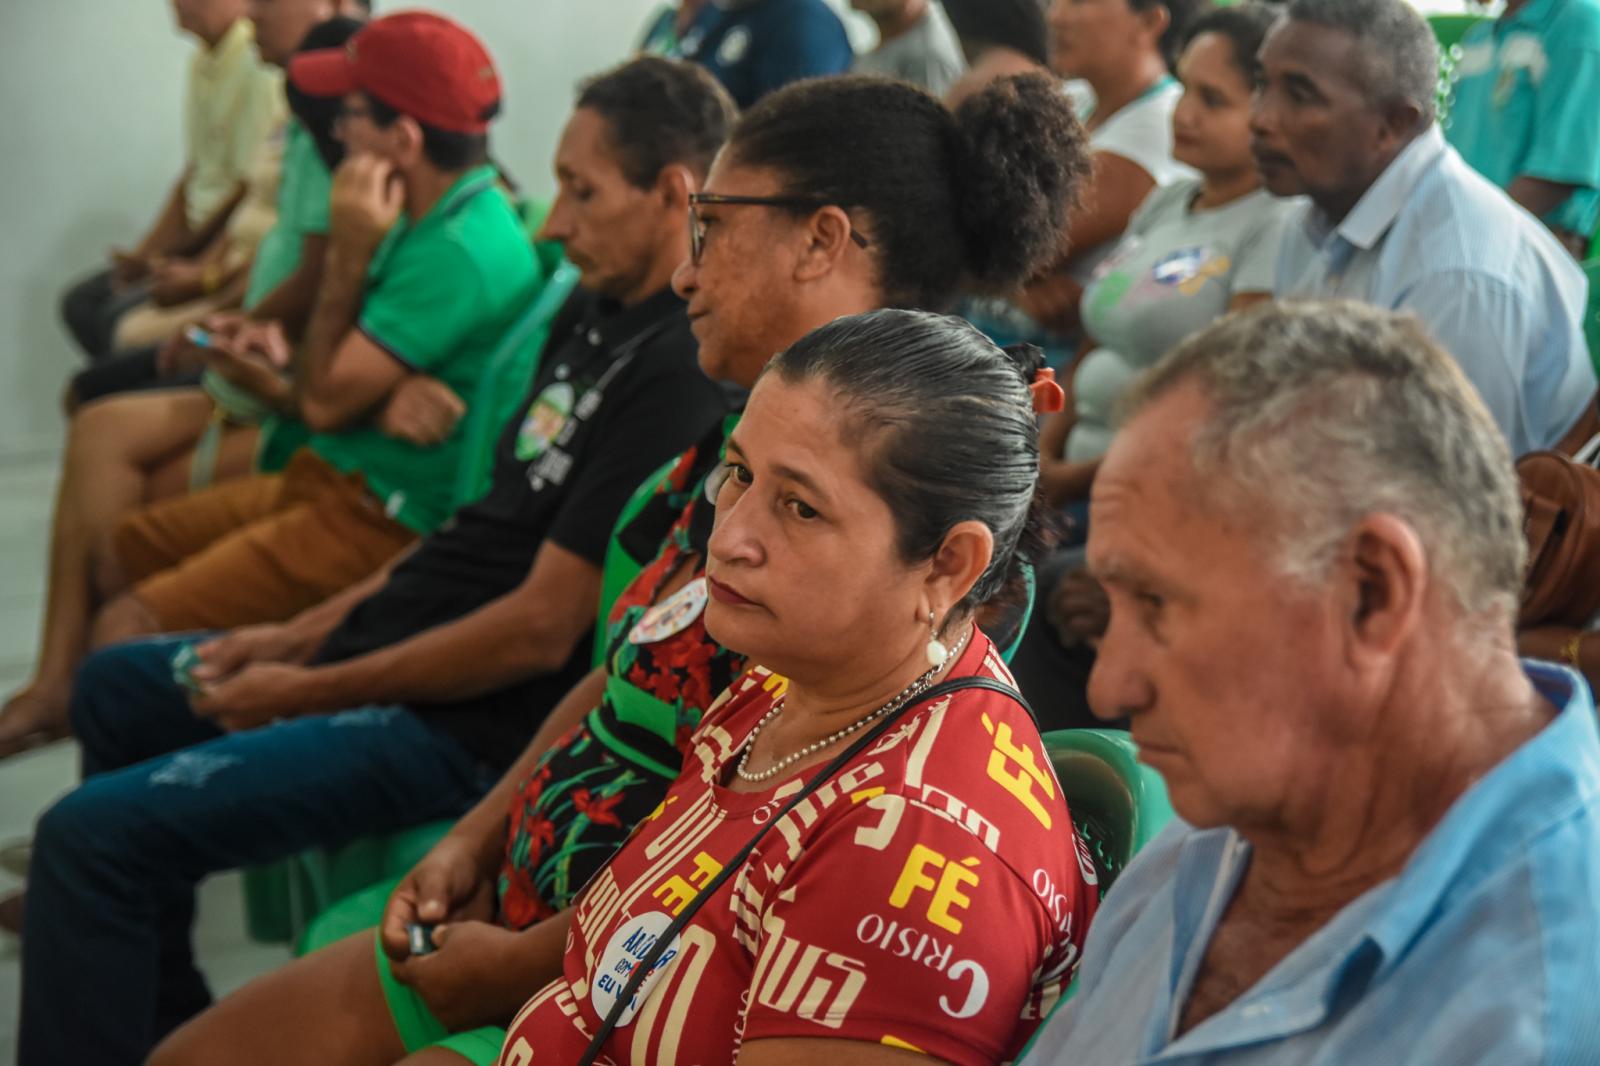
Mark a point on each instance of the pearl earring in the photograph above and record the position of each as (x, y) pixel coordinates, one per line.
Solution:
(936, 652)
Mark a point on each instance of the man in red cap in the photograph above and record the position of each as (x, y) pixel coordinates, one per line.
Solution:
(427, 268)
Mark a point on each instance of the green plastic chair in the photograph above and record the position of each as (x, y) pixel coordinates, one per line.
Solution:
(1449, 30)
(619, 568)
(1118, 805)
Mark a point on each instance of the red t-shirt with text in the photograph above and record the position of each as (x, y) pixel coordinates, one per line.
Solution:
(933, 896)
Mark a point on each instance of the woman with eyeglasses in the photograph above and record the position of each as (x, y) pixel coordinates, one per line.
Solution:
(832, 197)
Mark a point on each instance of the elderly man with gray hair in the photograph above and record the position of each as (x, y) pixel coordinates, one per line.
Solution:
(1395, 218)
(1388, 842)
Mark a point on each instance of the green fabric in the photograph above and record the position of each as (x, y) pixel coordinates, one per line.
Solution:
(415, 1023)
(621, 568)
(419, 1029)
(1524, 102)
(280, 439)
(356, 913)
(505, 381)
(303, 186)
(441, 293)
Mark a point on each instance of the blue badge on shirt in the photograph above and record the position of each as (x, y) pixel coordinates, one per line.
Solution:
(1179, 266)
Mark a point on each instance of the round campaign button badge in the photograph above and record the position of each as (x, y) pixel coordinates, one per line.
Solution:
(672, 615)
(1179, 266)
(735, 46)
(544, 420)
(624, 952)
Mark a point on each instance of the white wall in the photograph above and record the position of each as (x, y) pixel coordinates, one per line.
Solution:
(90, 92)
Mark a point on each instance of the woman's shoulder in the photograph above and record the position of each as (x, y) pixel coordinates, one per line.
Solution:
(975, 758)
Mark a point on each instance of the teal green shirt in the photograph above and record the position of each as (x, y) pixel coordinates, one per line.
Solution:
(1526, 103)
(303, 187)
(441, 293)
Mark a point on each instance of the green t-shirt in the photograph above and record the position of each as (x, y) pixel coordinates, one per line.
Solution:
(303, 188)
(1524, 103)
(441, 293)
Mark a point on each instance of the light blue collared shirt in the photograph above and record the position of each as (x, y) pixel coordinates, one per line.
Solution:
(1484, 949)
(1434, 237)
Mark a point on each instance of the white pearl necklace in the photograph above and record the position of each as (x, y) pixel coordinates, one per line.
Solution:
(906, 695)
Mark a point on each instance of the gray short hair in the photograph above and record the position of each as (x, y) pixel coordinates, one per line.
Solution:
(1400, 54)
(1326, 412)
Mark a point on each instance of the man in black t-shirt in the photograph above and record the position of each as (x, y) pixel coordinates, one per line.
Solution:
(403, 698)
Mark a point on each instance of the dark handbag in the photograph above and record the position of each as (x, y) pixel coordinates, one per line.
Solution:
(735, 864)
(1561, 521)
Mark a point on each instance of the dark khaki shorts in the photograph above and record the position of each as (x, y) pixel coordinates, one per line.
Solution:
(258, 549)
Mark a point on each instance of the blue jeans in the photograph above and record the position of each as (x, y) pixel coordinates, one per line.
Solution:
(167, 799)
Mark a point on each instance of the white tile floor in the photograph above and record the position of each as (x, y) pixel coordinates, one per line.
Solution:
(29, 783)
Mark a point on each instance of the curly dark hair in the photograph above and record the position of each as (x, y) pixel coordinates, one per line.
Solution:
(660, 112)
(1244, 25)
(976, 198)
(1179, 14)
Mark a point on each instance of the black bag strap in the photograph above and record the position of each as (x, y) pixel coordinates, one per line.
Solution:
(735, 864)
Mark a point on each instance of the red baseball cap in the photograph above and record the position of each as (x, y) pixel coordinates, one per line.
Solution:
(419, 63)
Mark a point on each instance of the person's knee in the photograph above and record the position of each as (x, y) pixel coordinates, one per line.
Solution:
(124, 618)
(100, 675)
(76, 831)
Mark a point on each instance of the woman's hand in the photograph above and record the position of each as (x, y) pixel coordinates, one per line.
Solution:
(1550, 643)
(1078, 609)
(449, 886)
(470, 978)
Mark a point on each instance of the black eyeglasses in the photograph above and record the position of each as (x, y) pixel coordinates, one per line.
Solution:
(697, 228)
(351, 112)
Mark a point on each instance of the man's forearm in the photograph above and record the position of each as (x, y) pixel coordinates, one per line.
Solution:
(213, 226)
(337, 306)
(1538, 196)
(497, 645)
(312, 625)
(170, 231)
(290, 304)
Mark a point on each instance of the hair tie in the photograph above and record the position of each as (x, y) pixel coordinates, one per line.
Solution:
(1048, 397)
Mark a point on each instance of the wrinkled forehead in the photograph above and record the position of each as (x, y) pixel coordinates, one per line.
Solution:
(1328, 57)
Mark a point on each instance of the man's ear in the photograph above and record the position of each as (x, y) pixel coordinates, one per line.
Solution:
(1401, 120)
(673, 186)
(1155, 19)
(408, 141)
(828, 240)
(1386, 577)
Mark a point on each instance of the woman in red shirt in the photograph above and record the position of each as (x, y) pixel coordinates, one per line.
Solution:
(931, 894)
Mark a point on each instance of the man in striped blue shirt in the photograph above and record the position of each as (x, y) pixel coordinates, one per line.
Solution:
(1345, 115)
(1388, 845)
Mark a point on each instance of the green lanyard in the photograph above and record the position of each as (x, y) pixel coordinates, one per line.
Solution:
(1156, 86)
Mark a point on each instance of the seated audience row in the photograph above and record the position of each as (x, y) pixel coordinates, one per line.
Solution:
(794, 794)
(1344, 117)
(417, 640)
(232, 102)
(133, 450)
